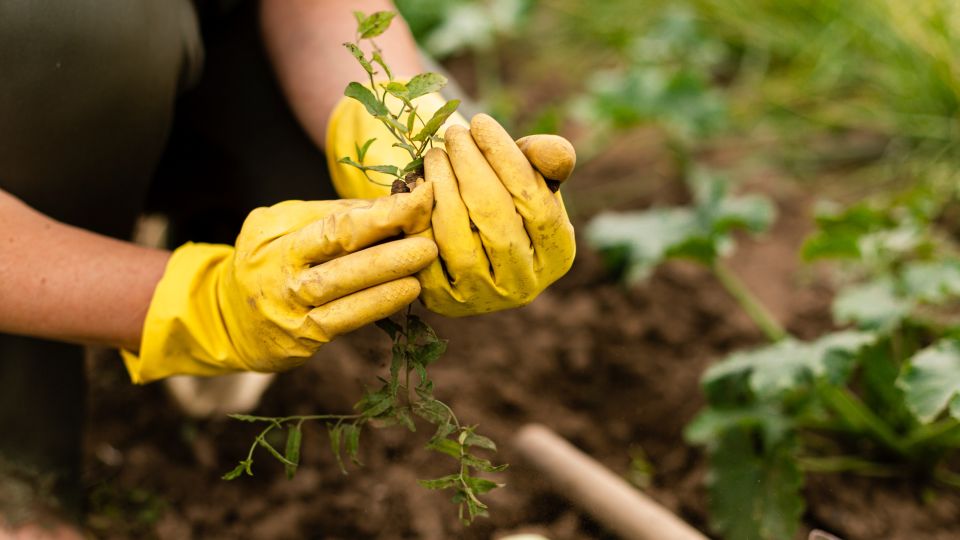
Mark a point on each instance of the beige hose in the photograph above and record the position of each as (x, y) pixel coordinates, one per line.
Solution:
(602, 494)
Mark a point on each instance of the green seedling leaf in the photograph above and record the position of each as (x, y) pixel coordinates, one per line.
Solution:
(425, 83)
(775, 369)
(352, 163)
(391, 328)
(292, 450)
(403, 418)
(370, 102)
(376, 58)
(409, 148)
(394, 123)
(385, 169)
(432, 411)
(481, 485)
(336, 431)
(360, 17)
(931, 381)
(412, 166)
(445, 446)
(362, 150)
(351, 439)
(481, 464)
(375, 24)
(480, 441)
(430, 353)
(416, 328)
(444, 430)
(437, 120)
(241, 468)
(374, 404)
(444, 482)
(397, 90)
(361, 58)
(874, 305)
(754, 494)
(411, 119)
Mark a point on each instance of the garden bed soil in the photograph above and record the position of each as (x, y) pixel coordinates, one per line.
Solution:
(615, 370)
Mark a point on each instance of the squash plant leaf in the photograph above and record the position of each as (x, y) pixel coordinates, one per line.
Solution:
(774, 370)
(872, 305)
(636, 242)
(931, 381)
(755, 491)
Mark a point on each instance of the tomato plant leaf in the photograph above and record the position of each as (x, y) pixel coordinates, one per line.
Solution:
(375, 24)
(931, 381)
(370, 102)
(479, 441)
(292, 450)
(437, 120)
(443, 482)
(376, 58)
(425, 83)
(481, 485)
(390, 327)
(241, 468)
(361, 58)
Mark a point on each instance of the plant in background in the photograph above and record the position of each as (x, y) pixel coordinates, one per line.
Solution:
(880, 397)
(409, 391)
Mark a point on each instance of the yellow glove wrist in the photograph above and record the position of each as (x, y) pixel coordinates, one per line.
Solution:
(185, 298)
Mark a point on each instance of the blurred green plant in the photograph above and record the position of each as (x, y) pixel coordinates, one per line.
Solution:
(878, 397)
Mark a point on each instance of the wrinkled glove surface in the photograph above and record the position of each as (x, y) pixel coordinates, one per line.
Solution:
(503, 235)
(302, 273)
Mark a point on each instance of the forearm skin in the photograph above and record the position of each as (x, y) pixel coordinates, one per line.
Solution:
(304, 40)
(63, 283)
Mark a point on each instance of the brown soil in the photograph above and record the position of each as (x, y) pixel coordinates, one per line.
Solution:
(612, 369)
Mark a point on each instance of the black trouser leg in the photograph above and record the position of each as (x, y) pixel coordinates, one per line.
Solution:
(235, 143)
(87, 89)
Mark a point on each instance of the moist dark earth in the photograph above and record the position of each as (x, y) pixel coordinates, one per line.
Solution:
(613, 369)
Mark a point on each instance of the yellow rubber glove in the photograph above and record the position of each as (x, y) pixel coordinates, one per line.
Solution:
(301, 274)
(351, 125)
(503, 235)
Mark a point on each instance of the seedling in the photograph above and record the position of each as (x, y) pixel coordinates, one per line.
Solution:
(409, 390)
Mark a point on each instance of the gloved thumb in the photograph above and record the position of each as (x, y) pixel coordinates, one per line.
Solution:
(552, 155)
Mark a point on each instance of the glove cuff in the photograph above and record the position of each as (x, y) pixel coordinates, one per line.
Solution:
(184, 332)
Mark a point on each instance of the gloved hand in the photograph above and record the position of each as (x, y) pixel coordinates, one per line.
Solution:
(301, 274)
(503, 235)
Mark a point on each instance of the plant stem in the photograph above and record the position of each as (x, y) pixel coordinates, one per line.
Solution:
(944, 432)
(749, 302)
(949, 478)
(838, 464)
(859, 417)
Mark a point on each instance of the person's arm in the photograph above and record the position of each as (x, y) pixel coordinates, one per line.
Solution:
(304, 40)
(63, 283)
